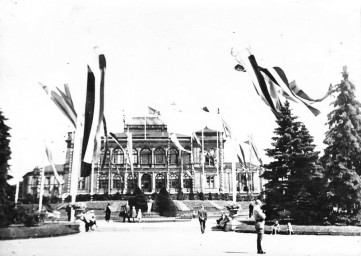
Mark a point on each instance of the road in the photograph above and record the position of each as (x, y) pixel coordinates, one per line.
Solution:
(184, 238)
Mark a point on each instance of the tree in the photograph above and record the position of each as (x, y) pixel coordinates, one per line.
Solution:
(277, 171)
(306, 182)
(5, 153)
(164, 204)
(341, 158)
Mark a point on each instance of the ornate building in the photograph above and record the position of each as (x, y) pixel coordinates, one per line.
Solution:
(157, 163)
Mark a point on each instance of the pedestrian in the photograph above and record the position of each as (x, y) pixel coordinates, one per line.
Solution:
(149, 205)
(91, 220)
(289, 228)
(68, 211)
(259, 218)
(108, 212)
(250, 209)
(139, 215)
(202, 216)
(126, 211)
(275, 228)
(134, 213)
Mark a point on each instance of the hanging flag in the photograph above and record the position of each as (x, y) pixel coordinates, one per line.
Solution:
(153, 111)
(272, 83)
(176, 142)
(254, 149)
(93, 146)
(62, 102)
(194, 136)
(51, 162)
(239, 152)
(129, 151)
(112, 135)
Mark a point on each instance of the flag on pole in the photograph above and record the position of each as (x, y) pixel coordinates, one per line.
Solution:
(129, 151)
(254, 149)
(153, 111)
(112, 135)
(51, 162)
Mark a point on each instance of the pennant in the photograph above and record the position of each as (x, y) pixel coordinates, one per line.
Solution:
(153, 111)
(254, 149)
(189, 174)
(239, 152)
(194, 136)
(112, 135)
(176, 142)
(51, 162)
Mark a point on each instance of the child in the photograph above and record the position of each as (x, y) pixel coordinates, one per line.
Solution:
(289, 228)
(275, 228)
(139, 215)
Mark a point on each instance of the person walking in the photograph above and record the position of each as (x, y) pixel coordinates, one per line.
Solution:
(139, 215)
(259, 218)
(108, 212)
(250, 209)
(68, 211)
(202, 216)
(127, 212)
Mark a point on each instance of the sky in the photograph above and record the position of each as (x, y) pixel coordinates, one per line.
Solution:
(163, 52)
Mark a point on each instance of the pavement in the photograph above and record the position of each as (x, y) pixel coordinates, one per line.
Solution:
(177, 238)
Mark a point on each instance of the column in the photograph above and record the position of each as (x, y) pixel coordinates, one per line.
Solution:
(152, 149)
(138, 152)
(153, 182)
(140, 180)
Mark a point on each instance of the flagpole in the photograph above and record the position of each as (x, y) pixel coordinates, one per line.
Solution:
(217, 159)
(92, 182)
(145, 127)
(234, 194)
(203, 160)
(17, 192)
(41, 190)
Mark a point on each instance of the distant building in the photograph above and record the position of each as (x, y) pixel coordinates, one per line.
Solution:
(158, 163)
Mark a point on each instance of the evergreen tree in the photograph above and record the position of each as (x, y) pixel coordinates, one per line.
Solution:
(341, 158)
(5, 153)
(306, 181)
(277, 171)
(164, 204)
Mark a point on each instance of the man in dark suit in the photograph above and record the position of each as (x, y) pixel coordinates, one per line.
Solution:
(127, 212)
(202, 216)
(259, 218)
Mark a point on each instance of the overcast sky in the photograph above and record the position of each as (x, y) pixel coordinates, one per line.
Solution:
(159, 52)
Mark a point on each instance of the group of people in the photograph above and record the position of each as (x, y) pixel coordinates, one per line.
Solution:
(127, 212)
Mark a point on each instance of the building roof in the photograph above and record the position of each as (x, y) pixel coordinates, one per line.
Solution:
(150, 120)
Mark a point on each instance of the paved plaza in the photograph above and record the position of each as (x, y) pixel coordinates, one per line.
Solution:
(176, 238)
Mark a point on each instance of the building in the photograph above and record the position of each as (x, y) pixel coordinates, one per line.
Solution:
(158, 162)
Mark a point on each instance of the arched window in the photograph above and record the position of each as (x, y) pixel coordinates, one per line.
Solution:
(146, 182)
(132, 182)
(210, 181)
(173, 156)
(186, 156)
(103, 182)
(173, 180)
(187, 182)
(135, 156)
(118, 156)
(118, 181)
(145, 156)
(159, 181)
(159, 155)
(81, 183)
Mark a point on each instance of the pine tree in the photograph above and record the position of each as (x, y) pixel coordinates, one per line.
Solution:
(277, 171)
(5, 153)
(341, 158)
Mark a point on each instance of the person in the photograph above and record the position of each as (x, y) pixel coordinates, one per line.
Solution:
(202, 216)
(108, 212)
(275, 228)
(68, 211)
(134, 213)
(250, 209)
(91, 220)
(126, 211)
(259, 218)
(222, 221)
(139, 215)
(149, 204)
(289, 228)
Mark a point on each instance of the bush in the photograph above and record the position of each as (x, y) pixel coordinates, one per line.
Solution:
(191, 196)
(118, 196)
(164, 204)
(210, 196)
(180, 195)
(138, 200)
(216, 196)
(83, 197)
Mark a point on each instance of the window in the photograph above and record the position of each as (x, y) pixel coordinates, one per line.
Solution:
(187, 182)
(118, 156)
(132, 182)
(135, 156)
(159, 181)
(210, 181)
(173, 156)
(145, 156)
(103, 182)
(173, 180)
(159, 155)
(118, 182)
(146, 182)
(81, 183)
(186, 156)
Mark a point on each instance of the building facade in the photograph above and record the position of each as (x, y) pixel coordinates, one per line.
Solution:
(157, 163)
